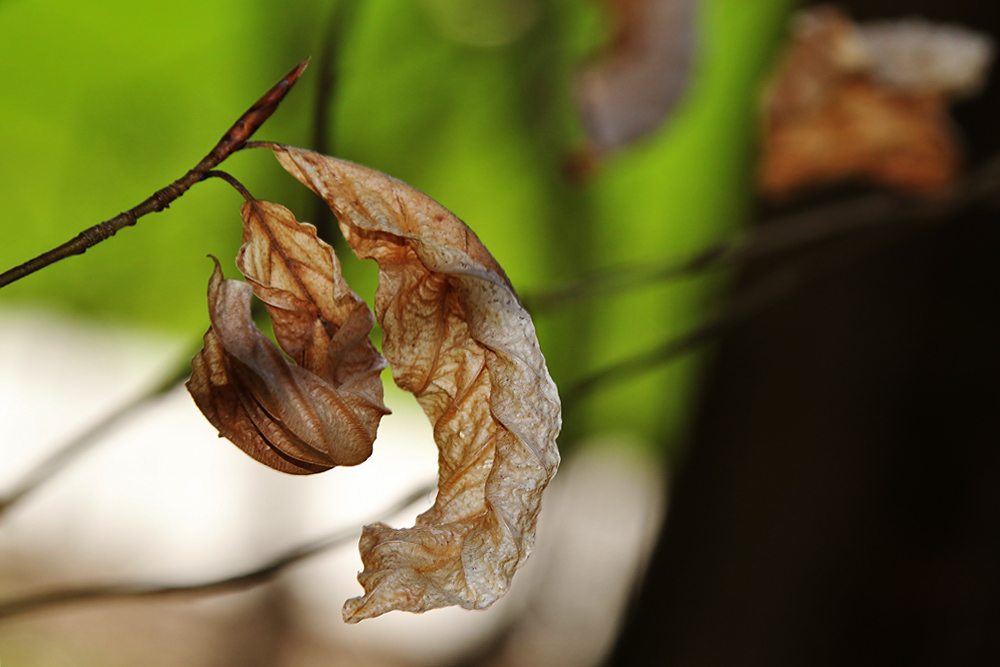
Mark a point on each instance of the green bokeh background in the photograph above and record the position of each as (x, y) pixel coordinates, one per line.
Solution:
(104, 102)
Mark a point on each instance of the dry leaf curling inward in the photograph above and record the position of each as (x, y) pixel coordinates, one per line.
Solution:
(322, 410)
(456, 336)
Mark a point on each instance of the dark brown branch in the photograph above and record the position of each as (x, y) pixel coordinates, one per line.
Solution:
(66, 455)
(232, 141)
(237, 582)
(785, 233)
(327, 77)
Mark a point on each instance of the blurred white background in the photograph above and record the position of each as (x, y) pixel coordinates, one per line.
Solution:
(161, 499)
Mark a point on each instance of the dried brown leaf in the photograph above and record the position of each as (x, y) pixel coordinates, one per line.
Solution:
(456, 336)
(322, 410)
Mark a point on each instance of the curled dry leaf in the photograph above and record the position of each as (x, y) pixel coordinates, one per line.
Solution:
(319, 410)
(456, 336)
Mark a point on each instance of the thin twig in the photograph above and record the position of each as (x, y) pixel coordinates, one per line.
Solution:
(785, 233)
(72, 450)
(236, 582)
(232, 141)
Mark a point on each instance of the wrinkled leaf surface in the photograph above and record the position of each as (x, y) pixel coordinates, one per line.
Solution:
(456, 336)
(321, 408)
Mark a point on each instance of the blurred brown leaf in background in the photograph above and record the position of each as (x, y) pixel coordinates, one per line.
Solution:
(868, 103)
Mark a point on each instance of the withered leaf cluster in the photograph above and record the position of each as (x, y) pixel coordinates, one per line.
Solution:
(454, 334)
(322, 407)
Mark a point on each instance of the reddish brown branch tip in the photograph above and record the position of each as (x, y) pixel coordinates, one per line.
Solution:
(233, 140)
(248, 123)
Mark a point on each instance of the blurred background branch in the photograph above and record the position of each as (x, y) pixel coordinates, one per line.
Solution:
(783, 233)
(78, 446)
(255, 577)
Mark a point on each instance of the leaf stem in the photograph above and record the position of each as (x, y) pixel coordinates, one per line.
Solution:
(229, 178)
(233, 140)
